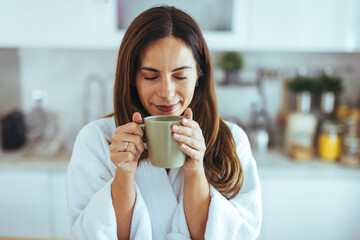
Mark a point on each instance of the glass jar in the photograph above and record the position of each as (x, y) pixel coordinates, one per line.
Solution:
(300, 131)
(351, 127)
(329, 141)
(350, 152)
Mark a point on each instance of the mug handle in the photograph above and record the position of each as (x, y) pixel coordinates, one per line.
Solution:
(142, 125)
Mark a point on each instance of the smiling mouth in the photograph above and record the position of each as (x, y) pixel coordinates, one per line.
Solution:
(167, 108)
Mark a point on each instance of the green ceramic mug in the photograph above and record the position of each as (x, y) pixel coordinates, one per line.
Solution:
(164, 151)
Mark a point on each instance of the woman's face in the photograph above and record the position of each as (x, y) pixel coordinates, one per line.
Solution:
(167, 76)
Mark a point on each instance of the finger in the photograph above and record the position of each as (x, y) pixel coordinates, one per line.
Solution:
(188, 113)
(136, 118)
(118, 147)
(130, 128)
(192, 142)
(135, 140)
(188, 131)
(121, 157)
(118, 142)
(192, 153)
(191, 123)
(132, 148)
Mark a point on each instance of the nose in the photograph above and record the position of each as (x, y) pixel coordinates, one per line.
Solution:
(166, 88)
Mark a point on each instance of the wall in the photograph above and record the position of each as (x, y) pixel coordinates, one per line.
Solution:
(10, 96)
(62, 74)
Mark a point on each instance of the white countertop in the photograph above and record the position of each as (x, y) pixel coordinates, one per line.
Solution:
(277, 164)
(18, 160)
(272, 164)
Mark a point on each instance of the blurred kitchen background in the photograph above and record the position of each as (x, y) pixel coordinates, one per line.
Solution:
(288, 72)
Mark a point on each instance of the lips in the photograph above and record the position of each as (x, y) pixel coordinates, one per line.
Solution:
(167, 108)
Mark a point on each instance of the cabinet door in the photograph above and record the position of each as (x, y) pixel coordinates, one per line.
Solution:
(60, 214)
(310, 208)
(24, 204)
(237, 38)
(42, 23)
(110, 36)
(308, 25)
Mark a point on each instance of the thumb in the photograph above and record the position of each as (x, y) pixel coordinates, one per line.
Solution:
(136, 118)
(188, 113)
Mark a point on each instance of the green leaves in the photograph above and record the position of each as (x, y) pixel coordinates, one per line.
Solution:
(330, 83)
(302, 84)
(231, 61)
(323, 83)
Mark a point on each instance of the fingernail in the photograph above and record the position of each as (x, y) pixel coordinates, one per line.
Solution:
(176, 127)
(185, 120)
(176, 135)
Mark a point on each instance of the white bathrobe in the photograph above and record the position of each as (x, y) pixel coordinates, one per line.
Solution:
(158, 212)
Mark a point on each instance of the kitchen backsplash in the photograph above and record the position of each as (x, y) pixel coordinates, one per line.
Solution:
(62, 75)
(10, 96)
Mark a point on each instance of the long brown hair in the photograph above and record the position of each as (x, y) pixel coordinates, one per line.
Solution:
(222, 166)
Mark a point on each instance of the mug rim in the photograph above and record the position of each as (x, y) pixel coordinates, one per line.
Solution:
(172, 118)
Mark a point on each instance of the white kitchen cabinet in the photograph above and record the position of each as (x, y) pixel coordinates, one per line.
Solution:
(25, 204)
(310, 209)
(309, 200)
(48, 24)
(306, 25)
(110, 36)
(58, 199)
(277, 25)
(91, 24)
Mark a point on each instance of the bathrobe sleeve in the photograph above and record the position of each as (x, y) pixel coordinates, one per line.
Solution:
(238, 218)
(89, 178)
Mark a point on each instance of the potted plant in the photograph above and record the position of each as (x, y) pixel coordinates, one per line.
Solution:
(303, 84)
(330, 87)
(231, 63)
(302, 87)
(330, 83)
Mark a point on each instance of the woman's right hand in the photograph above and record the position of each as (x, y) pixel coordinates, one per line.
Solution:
(127, 146)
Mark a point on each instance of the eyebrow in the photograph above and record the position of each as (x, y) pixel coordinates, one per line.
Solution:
(155, 70)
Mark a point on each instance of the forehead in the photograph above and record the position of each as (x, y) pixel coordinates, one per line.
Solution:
(167, 50)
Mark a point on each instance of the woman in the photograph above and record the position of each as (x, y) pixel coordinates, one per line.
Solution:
(114, 192)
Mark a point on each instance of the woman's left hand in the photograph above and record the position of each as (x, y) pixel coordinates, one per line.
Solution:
(192, 142)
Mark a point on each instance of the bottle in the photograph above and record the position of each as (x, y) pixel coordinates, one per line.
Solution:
(37, 119)
(350, 156)
(42, 127)
(258, 124)
(300, 129)
(343, 109)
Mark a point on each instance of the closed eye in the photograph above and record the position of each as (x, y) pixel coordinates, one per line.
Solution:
(150, 78)
(181, 78)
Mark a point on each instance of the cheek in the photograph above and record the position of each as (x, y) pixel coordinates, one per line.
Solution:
(142, 90)
(147, 92)
(188, 91)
